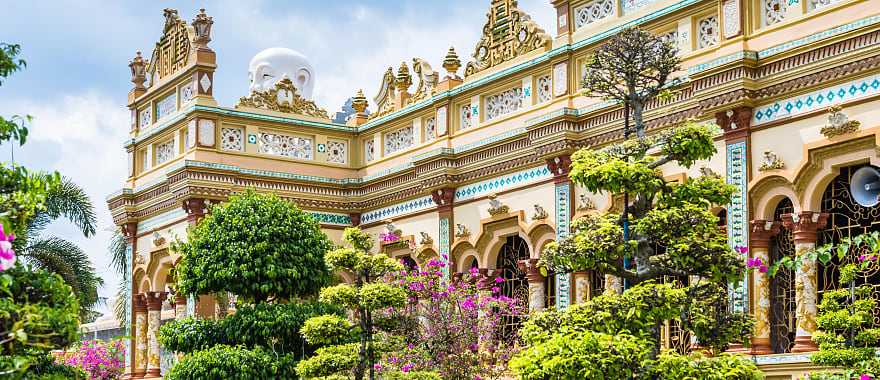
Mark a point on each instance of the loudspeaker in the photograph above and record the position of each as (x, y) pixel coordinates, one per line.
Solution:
(865, 186)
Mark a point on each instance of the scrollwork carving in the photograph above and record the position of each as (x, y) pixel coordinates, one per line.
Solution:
(508, 33)
(282, 98)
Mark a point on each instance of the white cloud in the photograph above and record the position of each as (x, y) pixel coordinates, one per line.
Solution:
(80, 136)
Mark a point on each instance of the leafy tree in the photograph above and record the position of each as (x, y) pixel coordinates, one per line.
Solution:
(270, 254)
(846, 333)
(633, 67)
(365, 298)
(665, 230)
(258, 247)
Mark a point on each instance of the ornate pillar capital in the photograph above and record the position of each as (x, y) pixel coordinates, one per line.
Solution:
(735, 122)
(355, 218)
(560, 166)
(195, 208)
(154, 300)
(139, 303)
(443, 198)
(761, 231)
(129, 230)
(805, 225)
(530, 267)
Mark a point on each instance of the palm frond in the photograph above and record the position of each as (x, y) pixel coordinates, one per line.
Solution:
(71, 263)
(72, 202)
(123, 297)
(117, 249)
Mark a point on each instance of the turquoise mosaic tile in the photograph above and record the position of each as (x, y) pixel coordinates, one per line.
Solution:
(738, 56)
(418, 204)
(331, 218)
(149, 224)
(502, 183)
(819, 99)
(819, 36)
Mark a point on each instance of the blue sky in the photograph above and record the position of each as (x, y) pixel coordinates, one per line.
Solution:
(77, 78)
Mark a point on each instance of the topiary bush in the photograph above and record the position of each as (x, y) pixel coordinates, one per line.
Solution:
(227, 362)
(584, 355)
(255, 246)
(272, 326)
(674, 366)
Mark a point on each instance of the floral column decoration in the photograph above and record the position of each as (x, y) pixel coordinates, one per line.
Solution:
(537, 288)
(154, 314)
(735, 124)
(761, 232)
(140, 329)
(129, 233)
(180, 311)
(560, 166)
(804, 227)
(581, 287)
(444, 199)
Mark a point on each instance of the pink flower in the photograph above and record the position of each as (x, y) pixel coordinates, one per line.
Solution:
(864, 377)
(7, 254)
(762, 269)
(498, 280)
(741, 249)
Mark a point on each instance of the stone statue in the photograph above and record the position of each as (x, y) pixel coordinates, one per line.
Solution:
(771, 162)
(426, 239)
(271, 65)
(540, 213)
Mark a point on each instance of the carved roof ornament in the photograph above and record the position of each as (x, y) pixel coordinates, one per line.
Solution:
(172, 52)
(386, 96)
(359, 102)
(138, 70)
(451, 63)
(838, 123)
(771, 162)
(202, 26)
(427, 77)
(282, 98)
(508, 33)
(404, 79)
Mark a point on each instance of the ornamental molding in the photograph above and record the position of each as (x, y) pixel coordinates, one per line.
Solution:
(838, 123)
(172, 51)
(508, 33)
(282, 98)
(771, 161)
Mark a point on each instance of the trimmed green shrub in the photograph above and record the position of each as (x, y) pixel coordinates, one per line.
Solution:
(584, 355)
(271, 326)
(674, 366)
(225, 362)
(255, 246)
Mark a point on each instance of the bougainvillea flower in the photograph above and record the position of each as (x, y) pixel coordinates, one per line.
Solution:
(7, 254)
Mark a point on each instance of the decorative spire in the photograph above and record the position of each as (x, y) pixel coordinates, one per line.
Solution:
(138, 70)
(202, 25)
(508, 33)
(404, 79)
(359, 102)
(451, 63)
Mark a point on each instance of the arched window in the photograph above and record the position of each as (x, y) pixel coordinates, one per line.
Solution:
(783, 320)
(515, 283)
(847, 219)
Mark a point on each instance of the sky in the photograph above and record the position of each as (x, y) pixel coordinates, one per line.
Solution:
(76, 82)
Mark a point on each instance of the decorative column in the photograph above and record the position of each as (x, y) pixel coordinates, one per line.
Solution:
(129, 233)
(759, 238)
(613, 284)
(154, 318)
(804, 228)
(180, 306)
(560, 166)
(444, 198)
(139, 366)
(537, 289)
(581, 287)
(195, 208)
(736, 124)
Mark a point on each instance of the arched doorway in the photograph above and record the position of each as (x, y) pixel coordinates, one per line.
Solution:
(515, 283)
(783, 319)
(847, 219)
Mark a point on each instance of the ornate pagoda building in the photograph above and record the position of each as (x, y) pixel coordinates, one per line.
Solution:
(469, 162)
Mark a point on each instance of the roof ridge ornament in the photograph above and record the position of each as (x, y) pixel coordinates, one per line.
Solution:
(172, 51)
(387, 94)
(282, 98)
(508, 33)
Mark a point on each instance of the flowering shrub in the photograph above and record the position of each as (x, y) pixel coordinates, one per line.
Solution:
(458, 330)
(7, 255)
(100, 360)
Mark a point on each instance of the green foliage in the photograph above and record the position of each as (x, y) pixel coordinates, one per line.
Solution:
(603, 171)
(412, 375)
(256, 246)
(330, 360)
(38, 313)
(22, 195)
(706, 314)
(225, 362)
(688, 143)
(673, 366)
(363, 298)
(13, 128)
(582, 355)
(38, 365)
(326, 330)
(271, 326)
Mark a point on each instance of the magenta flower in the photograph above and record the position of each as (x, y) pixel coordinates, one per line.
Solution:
(762, 269)
(864, 377)
(498, 280)
(741, 249)
(7, 254)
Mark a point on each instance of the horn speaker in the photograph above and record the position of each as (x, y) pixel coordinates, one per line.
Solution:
(865, 186)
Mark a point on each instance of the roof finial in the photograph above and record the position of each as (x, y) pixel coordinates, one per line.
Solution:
(451, 63)
(359, 102)
(404, 79)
